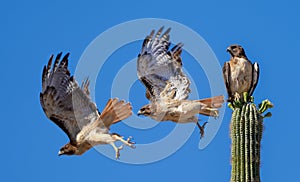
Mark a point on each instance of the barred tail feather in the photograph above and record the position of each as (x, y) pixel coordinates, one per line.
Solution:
(211, 105)
(115, 111)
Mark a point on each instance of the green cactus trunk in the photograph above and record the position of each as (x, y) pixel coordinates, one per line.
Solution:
(246, 133)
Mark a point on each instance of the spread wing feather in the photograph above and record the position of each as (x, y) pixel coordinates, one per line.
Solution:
(226, 76)
(158, 67)
(63, 101)
(255, 76)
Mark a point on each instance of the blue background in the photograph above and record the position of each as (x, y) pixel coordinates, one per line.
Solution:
(32, 30)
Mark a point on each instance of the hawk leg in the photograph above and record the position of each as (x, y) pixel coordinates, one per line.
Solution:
(201, 128)
(127, 142)
(117, 149)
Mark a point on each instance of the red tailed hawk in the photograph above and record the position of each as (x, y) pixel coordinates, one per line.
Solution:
(70, 107)
(167, 87)
(240, 75)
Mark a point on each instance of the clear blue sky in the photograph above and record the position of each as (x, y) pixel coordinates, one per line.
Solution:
(32, 30)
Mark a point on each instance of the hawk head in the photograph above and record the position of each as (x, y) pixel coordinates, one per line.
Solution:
(236, 50)
(145, 110)
(68, 149)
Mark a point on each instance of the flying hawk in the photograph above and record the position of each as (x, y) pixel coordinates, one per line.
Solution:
(240, 75)
(70, 107)
(167, 87)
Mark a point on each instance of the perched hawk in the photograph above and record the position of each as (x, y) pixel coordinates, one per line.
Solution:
(240, 75)
(167, 87)
(70, 107)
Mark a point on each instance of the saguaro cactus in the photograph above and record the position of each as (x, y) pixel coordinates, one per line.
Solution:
(246, 134)
(241, 78)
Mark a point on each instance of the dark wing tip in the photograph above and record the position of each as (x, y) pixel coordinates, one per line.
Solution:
(226, 74)
(50, 61)
(166, 35)
(151, 33)
(58, 56)
(160, 29)
(158, 33)
(177, 47)
(64, 62)
(66, 56)
(167, 31)
(255, 77)
(47, 68)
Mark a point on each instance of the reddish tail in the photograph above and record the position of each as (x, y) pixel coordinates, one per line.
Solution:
(115, 111)
(211, 106)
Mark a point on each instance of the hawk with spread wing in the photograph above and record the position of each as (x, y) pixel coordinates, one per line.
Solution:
(70, 107)
(240, 75)
(167, 87)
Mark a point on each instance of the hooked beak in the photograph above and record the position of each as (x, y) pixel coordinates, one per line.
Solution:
(228, 49)
(139, 113)
(60, 153)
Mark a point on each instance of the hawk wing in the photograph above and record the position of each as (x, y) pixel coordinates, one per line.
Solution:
(255, 76)
(160, 69)
(63, 101)
(226, 76)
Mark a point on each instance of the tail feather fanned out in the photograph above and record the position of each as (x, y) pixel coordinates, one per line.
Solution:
(115, 111)
(211, 106)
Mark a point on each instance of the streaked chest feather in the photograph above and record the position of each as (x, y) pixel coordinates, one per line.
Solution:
(241, 74)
